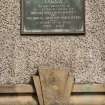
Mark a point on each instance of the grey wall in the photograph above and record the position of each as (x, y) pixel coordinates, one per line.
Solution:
(19, 55)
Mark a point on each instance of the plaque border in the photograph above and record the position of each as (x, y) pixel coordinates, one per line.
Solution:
(49, 33)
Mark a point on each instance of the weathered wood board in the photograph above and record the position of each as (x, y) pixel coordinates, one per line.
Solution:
(19, 88)
(54, 84)
(38, 89)
(18, 100)
(77, 88)
(69, 86)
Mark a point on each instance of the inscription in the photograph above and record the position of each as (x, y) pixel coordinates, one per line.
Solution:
(60, 16)
(53, 1)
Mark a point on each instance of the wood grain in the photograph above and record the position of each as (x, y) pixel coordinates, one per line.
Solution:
(18, 88)
(74, 100)
(87, 100)
(38, 89)
(69, 86)
(26, 88)
(18, 100)
(53, 83)
(89, 88)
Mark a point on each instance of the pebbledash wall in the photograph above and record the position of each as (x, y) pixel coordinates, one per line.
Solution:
(20, 55)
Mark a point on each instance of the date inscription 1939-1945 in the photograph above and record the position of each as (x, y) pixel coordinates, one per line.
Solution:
(53, 16)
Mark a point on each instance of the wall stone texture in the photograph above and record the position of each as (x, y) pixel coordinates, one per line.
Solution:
(20, 55)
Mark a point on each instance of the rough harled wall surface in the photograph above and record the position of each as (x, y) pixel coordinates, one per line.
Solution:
(19, 55)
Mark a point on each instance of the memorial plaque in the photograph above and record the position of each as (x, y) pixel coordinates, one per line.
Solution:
(53, 17)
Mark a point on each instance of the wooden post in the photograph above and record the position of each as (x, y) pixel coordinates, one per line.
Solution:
(56, 85)
(38, 89)
(69, 86)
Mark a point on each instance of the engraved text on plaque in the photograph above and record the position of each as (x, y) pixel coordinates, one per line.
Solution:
(53, 16)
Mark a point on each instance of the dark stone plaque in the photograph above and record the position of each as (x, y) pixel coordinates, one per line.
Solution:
(53, 17)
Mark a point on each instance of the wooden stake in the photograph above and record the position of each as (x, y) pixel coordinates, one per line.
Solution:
(69, 86)
(38, 89)
(53, 83)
